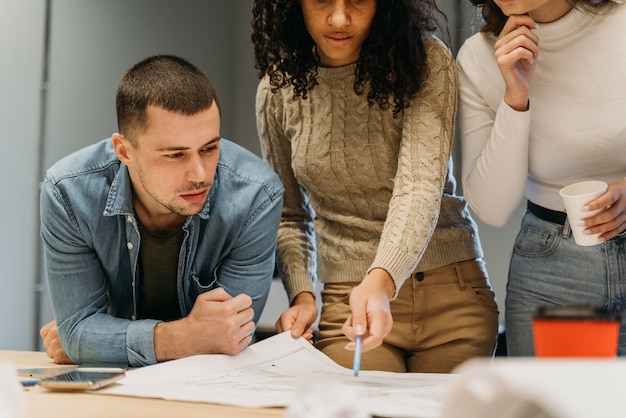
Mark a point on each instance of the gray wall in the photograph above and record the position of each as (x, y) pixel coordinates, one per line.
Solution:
(91, 43)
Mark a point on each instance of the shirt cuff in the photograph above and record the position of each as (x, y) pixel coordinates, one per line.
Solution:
(140, 342)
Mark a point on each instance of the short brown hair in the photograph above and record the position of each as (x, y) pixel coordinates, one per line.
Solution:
(166, 81)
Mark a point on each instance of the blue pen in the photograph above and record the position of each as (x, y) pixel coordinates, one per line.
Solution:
(29, 383)
(356, 365)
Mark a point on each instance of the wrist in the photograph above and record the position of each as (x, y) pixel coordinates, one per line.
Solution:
(164, 334)
(518, 107)
(383, 280)
(304, 298)
(517, 102)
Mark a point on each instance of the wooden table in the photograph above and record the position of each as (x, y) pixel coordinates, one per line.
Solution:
(43, 403)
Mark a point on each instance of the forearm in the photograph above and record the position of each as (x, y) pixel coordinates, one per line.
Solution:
(296, 244)
(88, 332)
(188, 337)
(427, 133)
(167, 338)
(494, 137)
(102, 338)
(495, 162)
(298, 261)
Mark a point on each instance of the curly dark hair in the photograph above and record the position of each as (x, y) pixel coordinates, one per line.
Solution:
(494, 18)
(392, 58)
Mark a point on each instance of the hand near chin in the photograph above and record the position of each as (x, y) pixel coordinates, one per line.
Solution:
(516, 52)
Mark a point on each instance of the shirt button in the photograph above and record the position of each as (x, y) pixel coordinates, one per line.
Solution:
(419, 276)
(130, 245)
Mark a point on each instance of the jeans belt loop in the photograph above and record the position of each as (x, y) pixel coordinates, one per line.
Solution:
(566, 231)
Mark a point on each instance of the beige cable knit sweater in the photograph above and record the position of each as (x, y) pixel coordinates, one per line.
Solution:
(370, 185)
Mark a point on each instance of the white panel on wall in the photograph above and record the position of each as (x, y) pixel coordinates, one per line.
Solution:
(21, 48)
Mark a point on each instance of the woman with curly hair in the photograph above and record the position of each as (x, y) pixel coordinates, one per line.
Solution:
(543, 105)
(355, 112)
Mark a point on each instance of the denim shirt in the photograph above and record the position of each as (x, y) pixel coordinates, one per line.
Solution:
(91, 244)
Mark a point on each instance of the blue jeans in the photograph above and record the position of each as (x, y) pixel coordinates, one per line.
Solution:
(549, 269)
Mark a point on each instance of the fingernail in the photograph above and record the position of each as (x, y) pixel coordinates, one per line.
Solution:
(580, 223)
(586, 232)
(585, 208)
(359, 329)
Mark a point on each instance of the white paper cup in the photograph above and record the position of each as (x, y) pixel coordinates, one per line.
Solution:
(575, 196)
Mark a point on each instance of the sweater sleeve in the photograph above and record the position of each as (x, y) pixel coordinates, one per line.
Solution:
(427, 132)
(494, 137)
(296, 245)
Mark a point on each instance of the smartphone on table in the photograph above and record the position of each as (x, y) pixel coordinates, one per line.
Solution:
(82, 379)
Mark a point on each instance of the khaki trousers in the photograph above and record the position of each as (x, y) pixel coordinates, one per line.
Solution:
(441, 318)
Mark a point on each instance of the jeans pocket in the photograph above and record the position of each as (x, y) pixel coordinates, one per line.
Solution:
(483, 293)
(535, 240)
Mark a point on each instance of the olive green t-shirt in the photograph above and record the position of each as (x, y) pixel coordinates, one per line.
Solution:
(158, 266)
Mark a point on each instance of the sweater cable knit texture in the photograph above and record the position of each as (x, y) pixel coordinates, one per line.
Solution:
(369, 183)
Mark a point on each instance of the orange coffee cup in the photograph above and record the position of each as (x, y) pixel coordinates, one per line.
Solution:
(575, 330)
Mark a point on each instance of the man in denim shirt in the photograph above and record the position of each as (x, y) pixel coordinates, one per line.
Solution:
(160, 241)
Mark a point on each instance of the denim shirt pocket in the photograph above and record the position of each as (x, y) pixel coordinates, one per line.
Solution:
(537, 238)
(200, 285)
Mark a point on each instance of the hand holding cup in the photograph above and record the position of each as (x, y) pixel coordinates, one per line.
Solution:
(575, 197)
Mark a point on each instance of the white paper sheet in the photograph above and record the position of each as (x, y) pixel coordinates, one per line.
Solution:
(279, 372)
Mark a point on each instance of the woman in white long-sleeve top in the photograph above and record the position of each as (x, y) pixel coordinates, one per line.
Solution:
(543, 105)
